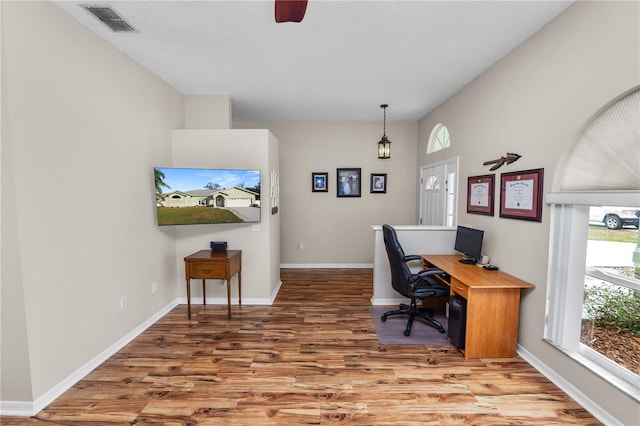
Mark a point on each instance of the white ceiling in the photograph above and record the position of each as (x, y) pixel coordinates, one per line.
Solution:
(339, 64)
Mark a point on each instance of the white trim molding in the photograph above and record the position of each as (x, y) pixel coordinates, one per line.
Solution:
(586, 402)
(234, 300)
(16, 408)
(592, 198)
(388, 302)
(326, 265)
(223, 301)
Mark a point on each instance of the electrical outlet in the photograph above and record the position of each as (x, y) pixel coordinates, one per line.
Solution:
(123, 302)
(154, 287)
(300, 246)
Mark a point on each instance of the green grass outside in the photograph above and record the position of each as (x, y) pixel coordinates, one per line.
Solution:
(624, 235)
(195, 215)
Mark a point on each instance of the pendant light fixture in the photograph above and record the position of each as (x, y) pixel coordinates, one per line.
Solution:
(384, 146)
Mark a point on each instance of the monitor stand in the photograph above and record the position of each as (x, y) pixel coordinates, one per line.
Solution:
(468, 260)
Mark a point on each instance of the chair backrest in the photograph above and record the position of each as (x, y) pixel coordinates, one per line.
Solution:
(400, 271)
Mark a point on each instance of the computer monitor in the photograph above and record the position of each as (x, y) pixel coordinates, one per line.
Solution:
(469, 243)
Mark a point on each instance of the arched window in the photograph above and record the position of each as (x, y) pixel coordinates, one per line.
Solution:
(439, 138)
(593, 271)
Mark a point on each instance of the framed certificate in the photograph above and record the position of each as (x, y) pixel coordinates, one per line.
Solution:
(480, 198)
(521, 195)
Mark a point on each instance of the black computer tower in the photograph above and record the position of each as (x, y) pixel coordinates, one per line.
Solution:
(457, 320)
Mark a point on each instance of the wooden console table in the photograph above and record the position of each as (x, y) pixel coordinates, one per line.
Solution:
(209, 264)
(493, 305)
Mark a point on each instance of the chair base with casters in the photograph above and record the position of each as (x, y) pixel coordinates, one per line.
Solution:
(414, 312)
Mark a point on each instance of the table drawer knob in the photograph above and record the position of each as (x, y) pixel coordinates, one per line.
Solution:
(207, 271)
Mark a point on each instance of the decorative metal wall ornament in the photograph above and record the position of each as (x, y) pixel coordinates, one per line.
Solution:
(508, 159)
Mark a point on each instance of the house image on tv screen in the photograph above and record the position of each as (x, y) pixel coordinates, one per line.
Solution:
(225, 198)
(215, 196)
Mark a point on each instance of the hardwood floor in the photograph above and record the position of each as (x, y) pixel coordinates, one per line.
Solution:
(311, 358)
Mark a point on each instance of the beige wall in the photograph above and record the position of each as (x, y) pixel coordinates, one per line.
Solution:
(82, 124)
(14, 350)
(534, 102)
(337, 231)
(234, 149)
(207, 111)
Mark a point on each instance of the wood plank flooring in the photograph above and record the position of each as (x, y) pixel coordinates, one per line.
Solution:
(311, 358)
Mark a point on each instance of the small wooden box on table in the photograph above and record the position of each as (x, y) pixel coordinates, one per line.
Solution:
(208, 265)
(493, 305)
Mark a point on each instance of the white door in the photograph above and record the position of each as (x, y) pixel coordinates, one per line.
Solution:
(438, 183)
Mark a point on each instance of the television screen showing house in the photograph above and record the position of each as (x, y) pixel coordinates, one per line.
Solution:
(205, 196)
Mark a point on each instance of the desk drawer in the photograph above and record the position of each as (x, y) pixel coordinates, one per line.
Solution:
(459, 288)
(207, 270)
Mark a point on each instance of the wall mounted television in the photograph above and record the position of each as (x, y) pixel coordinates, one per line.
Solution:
(469, 243)
(187, 196)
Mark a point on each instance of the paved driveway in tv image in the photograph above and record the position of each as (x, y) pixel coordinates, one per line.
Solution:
(247, 214)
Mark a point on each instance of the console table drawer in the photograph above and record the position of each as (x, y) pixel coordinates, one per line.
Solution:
(207, 270)
(459, 288)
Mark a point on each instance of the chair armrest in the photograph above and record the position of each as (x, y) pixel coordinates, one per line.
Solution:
(431, 271)
(411, 257)
(417, 277)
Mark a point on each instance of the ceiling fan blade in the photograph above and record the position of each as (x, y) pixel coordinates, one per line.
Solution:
(290, 10)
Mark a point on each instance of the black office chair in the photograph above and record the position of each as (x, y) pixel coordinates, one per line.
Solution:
(414, 286)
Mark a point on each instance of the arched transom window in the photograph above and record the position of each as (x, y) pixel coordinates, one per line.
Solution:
(439, 138)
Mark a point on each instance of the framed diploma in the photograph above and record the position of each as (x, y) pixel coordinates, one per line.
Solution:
(480, 198)
(521, 195)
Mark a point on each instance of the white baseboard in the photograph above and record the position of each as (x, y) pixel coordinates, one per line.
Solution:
(327, 265)
(16, 408)
(586, 402)
(276, 291)
(27, 409)
(234, 300)
(223, 301)
(388, 302)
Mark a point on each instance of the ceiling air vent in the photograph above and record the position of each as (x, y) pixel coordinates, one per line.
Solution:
(110, 18)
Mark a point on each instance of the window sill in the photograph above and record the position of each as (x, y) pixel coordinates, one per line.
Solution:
(630, 387)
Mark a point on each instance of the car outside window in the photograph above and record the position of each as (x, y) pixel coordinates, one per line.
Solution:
(614, 217)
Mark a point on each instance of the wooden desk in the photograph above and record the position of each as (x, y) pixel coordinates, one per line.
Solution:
(493, 305)
(209, 264)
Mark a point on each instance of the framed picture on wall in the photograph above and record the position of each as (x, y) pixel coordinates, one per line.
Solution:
(378, 183)
(480, 194)
(521, 195)
(320, 182)
(349, 182)
(275, 192)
